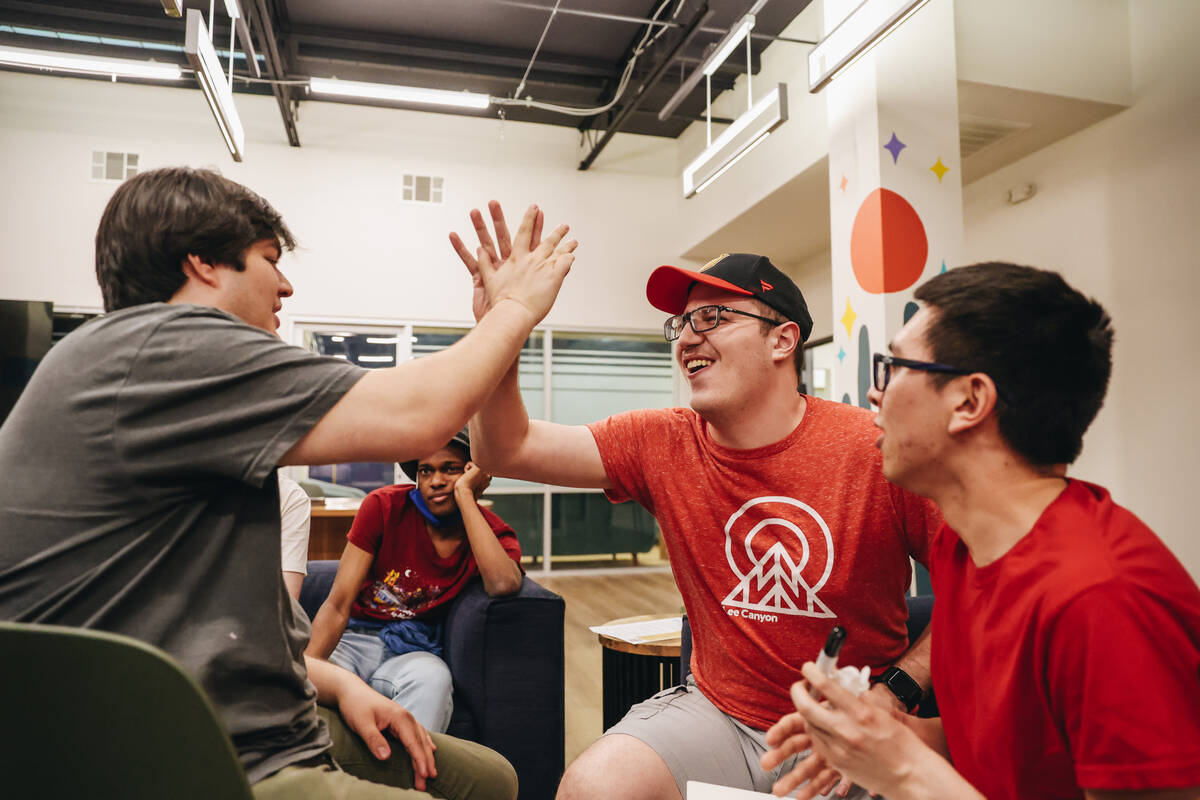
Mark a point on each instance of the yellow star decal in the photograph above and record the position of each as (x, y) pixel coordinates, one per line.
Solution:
(939, 169)
(848, 318)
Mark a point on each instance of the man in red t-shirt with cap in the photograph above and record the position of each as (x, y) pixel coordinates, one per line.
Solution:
(773, 507)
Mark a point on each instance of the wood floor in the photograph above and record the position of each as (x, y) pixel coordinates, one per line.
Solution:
(594, 600)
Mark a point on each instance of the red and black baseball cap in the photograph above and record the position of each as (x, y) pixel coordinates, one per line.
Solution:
(740, 273)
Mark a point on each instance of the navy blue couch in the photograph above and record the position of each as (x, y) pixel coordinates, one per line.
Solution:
(506, 657)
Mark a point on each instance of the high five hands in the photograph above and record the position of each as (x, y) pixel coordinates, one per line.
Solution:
(526, 269)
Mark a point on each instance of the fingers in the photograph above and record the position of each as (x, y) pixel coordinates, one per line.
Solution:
(503, 240)
(464, 253)
(788, 725)
(485, 238)
(838, 696)
(790, 747)
(812, 773)
(522, 244)
(375, 741)
(550, 243)
(536, 238)
(843, 788)
(420, 747)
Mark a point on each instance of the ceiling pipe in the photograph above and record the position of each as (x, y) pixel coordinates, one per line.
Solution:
(701, 16)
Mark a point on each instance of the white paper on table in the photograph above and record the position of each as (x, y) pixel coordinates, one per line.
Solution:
(711, 791)
(342, 503)
(652, 630)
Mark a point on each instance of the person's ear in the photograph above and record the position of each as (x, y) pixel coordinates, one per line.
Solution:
(198, 270)
(974, 399)
(786, 340)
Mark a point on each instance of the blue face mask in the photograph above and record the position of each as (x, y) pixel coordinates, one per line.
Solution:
(418, 500)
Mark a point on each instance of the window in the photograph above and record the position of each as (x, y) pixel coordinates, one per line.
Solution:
(572, 377)
(421, 189)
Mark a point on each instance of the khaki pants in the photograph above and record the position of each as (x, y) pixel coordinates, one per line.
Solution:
(466, 771)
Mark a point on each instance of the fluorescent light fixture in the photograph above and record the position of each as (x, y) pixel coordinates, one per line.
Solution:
(726, 46)
(204, 60)
(231, 8)
(861, 30)
(377, 359)
(742, 136)
(400, 94)
(174, 8)
(98, 65)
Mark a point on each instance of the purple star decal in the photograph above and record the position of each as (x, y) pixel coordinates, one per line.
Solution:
(894, 146)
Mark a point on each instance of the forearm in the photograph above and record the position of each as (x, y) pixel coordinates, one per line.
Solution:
(329, 679)
(915, 660)
(501, 424)
(932, 777)
(293, 581)
(413, 409)
(327, 629)
(501, 575)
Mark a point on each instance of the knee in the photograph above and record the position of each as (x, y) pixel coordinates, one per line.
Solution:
(496, 778)
(618, 765)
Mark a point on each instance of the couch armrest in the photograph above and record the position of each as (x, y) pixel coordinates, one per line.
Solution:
(506, 657)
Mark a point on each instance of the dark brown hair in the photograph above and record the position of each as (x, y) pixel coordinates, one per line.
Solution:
(156, 219)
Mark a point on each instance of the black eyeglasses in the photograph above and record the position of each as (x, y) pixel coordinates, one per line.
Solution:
(704, 318)
(882, 372)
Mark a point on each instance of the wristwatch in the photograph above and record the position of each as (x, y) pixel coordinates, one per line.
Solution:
(901, 684)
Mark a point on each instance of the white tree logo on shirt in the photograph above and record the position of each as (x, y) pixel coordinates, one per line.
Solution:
(774, 582)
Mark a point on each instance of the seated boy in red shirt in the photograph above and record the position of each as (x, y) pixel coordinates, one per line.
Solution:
(410, 551)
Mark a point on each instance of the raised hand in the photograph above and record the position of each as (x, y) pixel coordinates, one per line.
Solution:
(526, 269)
(472, 484)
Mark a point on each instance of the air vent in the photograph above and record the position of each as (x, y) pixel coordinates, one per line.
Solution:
(976, 133)
(108, 166)
(422, 189)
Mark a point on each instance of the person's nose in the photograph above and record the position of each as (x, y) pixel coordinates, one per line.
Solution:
(875, 397)
(285, 286)
(688, 337)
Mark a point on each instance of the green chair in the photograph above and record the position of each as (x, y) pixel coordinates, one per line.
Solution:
(95, 715)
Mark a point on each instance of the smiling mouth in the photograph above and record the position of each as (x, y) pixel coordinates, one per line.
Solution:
(694, 365)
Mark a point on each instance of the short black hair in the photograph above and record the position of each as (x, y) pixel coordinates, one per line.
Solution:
(157, 218)
(1047, 347)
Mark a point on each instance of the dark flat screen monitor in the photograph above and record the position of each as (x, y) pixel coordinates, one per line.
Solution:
(26, 327)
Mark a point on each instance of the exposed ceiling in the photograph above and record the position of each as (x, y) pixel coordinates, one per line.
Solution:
(478, 45)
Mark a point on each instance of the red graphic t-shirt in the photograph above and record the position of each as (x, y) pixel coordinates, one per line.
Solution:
(773, 547)
(1071, 661)
(408, 578)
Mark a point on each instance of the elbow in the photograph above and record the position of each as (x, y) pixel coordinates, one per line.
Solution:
(504, 588)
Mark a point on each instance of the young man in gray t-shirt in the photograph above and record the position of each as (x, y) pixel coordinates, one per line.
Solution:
(140, 495)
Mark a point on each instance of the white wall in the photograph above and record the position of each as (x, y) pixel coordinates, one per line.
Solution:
(363, 252)
(1073, 48)
(1116, 213)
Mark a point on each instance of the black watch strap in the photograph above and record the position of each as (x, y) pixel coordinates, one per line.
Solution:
(901, 684)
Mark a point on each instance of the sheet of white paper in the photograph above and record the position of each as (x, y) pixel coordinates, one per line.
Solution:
(342, 503)
(653, 630)
(710, 791)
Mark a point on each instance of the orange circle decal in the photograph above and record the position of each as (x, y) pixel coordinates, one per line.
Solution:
(888, 246)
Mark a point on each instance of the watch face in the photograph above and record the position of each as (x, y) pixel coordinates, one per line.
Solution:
(904, 687)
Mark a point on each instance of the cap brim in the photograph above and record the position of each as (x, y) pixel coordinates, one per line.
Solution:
(667, 289)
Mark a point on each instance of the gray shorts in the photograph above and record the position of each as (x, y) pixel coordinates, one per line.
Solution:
(699, 742)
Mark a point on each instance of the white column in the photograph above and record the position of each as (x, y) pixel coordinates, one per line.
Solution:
(895, 183)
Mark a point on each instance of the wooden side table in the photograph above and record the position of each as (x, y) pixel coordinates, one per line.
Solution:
(327, 531)
(635, 672)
